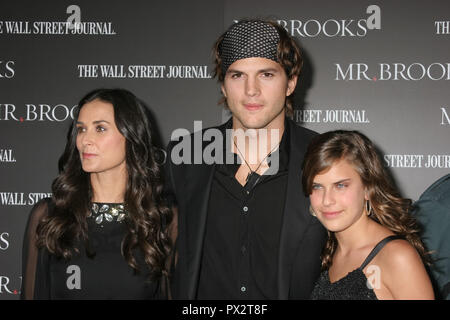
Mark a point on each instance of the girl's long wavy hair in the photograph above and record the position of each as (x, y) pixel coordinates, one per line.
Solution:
(389, 208)
(148, 216)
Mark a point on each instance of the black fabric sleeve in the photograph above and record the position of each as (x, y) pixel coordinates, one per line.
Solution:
(169, 187)
(34, 260)
(169, 194)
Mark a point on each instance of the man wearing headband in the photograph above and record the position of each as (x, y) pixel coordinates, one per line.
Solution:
(244, 229)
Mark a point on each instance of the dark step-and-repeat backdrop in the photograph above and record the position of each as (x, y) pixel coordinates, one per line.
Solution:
(381, 67)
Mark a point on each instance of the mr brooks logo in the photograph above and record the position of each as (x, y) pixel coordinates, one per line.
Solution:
(393, 71)
(36, 112)
(335, 27)
(10, 285)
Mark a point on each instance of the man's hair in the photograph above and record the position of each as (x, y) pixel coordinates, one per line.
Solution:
(288, 56)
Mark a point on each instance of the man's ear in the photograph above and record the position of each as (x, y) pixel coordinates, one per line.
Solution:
(292, 83)
(222, 88)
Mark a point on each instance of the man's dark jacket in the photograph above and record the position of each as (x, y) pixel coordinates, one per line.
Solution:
(302, 235)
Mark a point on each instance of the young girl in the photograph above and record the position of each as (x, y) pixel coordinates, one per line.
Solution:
(373, 249)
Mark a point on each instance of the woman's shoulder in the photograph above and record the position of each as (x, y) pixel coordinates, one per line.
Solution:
(398, 251)
(399, 260)
(398, 263)
(396, 255)
(41, 209)
(395, 251)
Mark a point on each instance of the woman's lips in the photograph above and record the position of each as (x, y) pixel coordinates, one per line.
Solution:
(88, 155)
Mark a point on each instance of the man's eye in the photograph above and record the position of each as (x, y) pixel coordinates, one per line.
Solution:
(236, 75)
(341, 185)
(316, 186)
(267, 75)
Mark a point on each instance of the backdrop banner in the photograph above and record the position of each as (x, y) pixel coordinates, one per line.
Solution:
(380, 67)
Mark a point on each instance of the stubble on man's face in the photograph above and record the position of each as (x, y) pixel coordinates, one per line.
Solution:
(256, 91)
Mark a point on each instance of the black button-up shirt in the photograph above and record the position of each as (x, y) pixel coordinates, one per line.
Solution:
(241, 245)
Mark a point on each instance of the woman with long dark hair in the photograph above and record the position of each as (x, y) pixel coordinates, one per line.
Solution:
(105, 232)
(373, 250)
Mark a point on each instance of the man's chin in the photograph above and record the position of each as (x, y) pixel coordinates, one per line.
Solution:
(259, 121)
(254, 124)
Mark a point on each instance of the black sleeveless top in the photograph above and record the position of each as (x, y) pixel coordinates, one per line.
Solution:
(354, 285)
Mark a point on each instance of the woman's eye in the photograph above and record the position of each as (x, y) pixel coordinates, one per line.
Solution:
(100, 129)
(80, 129)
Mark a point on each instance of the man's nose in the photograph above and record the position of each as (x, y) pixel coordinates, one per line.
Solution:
(252, 86)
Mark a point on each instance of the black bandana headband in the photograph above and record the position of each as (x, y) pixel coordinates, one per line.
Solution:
(249, 39)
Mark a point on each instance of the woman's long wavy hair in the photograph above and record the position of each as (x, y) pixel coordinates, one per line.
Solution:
(389, 208)
(148, 216)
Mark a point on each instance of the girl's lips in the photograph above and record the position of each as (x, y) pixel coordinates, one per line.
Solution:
(331, 214)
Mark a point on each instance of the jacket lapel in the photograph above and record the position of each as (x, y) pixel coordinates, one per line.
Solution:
(198, 187)
(200, 178)
(296, 218)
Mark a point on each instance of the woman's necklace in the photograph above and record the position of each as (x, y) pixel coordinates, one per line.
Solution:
(107, 211)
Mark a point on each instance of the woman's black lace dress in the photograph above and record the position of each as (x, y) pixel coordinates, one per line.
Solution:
(105, 274)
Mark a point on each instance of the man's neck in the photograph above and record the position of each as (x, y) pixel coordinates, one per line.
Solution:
(254, 145)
